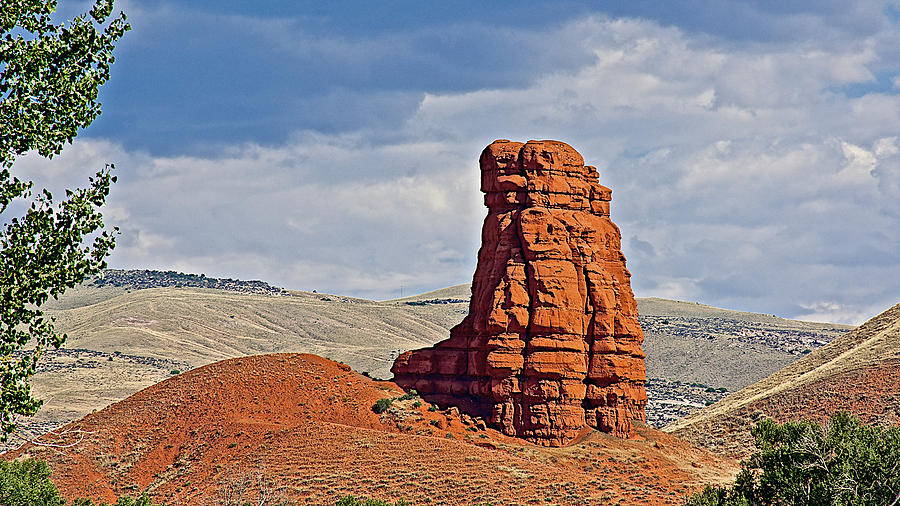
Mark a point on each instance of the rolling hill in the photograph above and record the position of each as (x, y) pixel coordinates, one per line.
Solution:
(143, 328)
(858, 372)
(303, 428)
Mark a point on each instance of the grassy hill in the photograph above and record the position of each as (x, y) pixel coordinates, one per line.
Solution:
(124, 337)
(694, 342)
(857, 372)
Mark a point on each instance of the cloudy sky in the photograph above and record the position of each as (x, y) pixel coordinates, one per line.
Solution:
(752, 148)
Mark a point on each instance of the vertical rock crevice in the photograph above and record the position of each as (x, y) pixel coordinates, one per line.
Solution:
(551, 343)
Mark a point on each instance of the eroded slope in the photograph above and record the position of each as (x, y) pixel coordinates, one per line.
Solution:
(857, 372)
(306, 425)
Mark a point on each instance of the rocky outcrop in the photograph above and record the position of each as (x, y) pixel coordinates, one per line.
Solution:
(552, 342)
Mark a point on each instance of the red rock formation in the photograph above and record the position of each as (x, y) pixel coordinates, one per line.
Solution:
(552, 341)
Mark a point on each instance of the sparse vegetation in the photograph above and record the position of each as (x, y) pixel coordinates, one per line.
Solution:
(248, 489)
(804, 463)
(349, 500)
(435, 301)
(412, 394)
(382, 405)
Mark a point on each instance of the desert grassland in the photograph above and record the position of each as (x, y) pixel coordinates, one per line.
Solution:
(876, 341)
(121, 341)
(199, 326)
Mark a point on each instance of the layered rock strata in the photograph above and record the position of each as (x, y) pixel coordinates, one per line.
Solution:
(552, 342)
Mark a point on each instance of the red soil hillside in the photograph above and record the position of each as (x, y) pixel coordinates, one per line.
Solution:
(306, 425)
(858, 372)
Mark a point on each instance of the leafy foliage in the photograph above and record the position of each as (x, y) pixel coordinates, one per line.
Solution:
(27, 483)
(51, 74)
(49, 80)
(843, 462)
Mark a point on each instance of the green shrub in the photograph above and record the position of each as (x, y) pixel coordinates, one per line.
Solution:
(843, 462)
(382, 405)
(27, 483)
(349, 500)
(143, 500)
(411, 395)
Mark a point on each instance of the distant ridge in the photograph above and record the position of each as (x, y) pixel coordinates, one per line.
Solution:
(141, 279)
(460, 293)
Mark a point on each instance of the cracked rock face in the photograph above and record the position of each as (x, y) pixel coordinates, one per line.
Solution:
(552, 342)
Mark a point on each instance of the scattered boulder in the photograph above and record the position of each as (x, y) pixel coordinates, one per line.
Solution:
(552, 342)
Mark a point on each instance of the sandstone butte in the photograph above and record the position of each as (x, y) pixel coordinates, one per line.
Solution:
(552, 343)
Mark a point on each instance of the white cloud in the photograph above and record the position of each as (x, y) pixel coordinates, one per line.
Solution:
(749, 180)
(859, 165)
(829, 311)
(335, 213)
(885, 147)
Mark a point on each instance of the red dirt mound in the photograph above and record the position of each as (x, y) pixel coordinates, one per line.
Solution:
(304, 426)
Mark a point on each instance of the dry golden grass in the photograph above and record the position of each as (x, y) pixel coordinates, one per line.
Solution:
(871, 346)
(183, 328)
